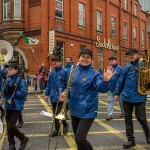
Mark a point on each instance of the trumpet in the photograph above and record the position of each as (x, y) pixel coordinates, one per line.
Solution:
(62, 115)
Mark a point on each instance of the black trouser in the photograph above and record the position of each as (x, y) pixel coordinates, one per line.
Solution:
(140, 113)
(20, 120)
(54, 105)
(11, 119)
(81, 128)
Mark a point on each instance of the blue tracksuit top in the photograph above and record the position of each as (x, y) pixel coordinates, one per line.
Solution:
(20, 96)
(83, 95)
(68, 67)
(58, 79)
(127, 84)
(3, 73)
(113, 81)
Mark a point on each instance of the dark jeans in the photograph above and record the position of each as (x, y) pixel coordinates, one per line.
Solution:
(81, 128)
(140, 113)
(11, 119)
(54, 105)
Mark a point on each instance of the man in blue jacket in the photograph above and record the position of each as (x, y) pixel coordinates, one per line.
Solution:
(131, 98)
(14, 105)
(113, 81)
(69, 64)
(57, 84)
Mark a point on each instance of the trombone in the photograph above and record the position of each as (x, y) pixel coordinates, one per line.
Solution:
(62, 115)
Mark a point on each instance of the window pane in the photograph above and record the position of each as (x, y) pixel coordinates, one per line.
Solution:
(6, 1)
(59, 5)
(100, 58)
(81, 21)
(5, 12)
(81, 6)
(17, 10)
(59, 13)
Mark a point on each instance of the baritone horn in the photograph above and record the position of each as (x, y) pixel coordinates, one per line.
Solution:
(62, 115)
(144, 74)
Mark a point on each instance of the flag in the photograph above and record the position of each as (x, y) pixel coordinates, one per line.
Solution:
(31, 40)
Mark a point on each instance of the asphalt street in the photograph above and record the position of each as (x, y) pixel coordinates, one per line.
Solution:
(103, 135)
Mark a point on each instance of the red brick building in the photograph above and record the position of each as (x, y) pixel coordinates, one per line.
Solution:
(108, 27)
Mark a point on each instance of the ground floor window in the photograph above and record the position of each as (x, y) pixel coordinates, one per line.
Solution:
(100, 59)
(61, 44)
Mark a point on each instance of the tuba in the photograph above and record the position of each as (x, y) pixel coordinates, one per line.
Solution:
(144, 74)
(6, 50)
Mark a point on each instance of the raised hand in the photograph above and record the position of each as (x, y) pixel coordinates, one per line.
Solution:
(108, 73)
(116, 98)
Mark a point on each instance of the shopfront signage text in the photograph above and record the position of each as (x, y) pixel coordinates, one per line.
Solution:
(106, 44)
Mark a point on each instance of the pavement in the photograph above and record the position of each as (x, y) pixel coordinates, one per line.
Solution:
(103, 135)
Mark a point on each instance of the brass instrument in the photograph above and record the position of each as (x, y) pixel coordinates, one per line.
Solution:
(62, 115)
(144, 74)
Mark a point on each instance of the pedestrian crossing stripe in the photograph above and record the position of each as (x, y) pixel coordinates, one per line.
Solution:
(67, 137)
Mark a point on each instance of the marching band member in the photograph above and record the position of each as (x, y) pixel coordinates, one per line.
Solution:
(13, 110)
(57, 83)
(83, 97)
(3, 71)
(127, 84)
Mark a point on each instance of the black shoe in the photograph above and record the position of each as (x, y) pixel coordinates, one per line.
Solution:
(109, 118)
(129, 144)
(148, 140)
(55, 133)
(20, 125)
(65, 129)
(12, 147)
(24, 142)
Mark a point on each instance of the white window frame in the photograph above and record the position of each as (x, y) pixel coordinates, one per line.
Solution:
(134, 34)
(125, 31)
(15, 9)
(143, 39)
(99, 20)
(5, 13)
(135, 9)
(82, 11)
(61, 10)
(113, 26)
(126, 4)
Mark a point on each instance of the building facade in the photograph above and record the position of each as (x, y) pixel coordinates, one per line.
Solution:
(108, 27)
(145, 6)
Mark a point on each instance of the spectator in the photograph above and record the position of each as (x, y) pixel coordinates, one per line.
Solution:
(117, 72)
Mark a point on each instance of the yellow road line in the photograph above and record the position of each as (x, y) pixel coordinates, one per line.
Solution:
(4, 134)
(68, 138)
(116, 132)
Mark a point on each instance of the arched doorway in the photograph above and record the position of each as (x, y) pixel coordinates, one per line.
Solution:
(19, 57)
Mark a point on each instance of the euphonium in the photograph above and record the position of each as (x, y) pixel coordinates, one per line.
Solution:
(144, 74)
(62, 114)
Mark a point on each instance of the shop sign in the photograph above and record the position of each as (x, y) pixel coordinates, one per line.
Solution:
(51, 41)
(106, 44)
